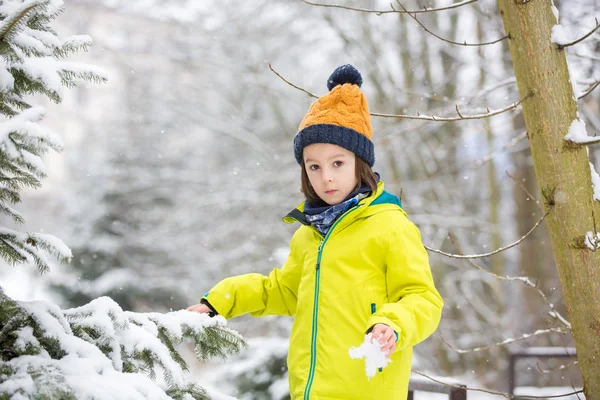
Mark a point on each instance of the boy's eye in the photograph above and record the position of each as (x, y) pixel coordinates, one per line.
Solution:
(313, 167)
(338, 163)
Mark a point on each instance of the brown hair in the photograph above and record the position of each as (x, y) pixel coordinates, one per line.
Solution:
(363, 171)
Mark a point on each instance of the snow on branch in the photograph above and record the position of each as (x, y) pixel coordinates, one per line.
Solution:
(393, 10)
(471, 256)
(577, 135)
(526, 336)
(100, 351)
(460, 117)
(443, 39)
(560, 36)
(33, 248)
(22, 143)
(32, 52)
(505, 395)
(14, 16)
(559, 368)
(592, 241)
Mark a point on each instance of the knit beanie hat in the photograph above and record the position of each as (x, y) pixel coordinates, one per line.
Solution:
(340, 117)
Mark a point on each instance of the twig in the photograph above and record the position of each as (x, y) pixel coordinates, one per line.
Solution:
(586, 141)
(495, 251)
(380, 12)
(460, 117)
(16, 21)
(594, 86)
(506, 395)
(553, 313)
(291, 84)
(504, 342)
(497, 85)
(524, 189)
(493, 153)
(441, 38)
(490, 113)
(562, 46)
(559, 368)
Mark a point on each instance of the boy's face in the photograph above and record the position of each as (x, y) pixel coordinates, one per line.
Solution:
(331, 170)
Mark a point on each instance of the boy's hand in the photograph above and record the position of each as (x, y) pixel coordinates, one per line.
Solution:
(386, 337)
(199, 308)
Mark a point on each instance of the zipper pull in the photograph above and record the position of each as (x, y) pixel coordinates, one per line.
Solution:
(319, 256)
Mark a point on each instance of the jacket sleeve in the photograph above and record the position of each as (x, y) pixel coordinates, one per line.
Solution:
(257, 294)
(415, 306)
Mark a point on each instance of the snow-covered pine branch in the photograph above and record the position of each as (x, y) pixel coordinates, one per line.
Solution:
(100, 351)
(31, 63)
(31, 51)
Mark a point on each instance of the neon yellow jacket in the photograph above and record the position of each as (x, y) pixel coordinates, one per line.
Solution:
(370, 268)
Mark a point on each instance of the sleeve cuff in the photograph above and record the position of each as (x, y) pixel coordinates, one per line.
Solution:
(212, 309)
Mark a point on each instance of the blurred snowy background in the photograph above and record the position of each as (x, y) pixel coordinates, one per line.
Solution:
(176, 172)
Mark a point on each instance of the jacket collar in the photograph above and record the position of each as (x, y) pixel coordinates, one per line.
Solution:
(380, 197)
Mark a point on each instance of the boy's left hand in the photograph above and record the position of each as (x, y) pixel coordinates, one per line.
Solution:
(386, 337)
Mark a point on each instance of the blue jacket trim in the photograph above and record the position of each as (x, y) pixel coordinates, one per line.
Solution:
(387, 198)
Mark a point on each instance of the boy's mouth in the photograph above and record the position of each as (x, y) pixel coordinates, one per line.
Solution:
(330, 191)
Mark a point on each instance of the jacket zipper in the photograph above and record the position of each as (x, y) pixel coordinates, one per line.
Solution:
(315, 320)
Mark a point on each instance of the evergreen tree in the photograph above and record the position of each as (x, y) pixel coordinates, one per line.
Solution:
(98, 350)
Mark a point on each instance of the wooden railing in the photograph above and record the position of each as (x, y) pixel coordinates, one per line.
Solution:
(535, 352)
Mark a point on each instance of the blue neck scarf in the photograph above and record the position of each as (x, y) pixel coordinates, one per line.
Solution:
(322, 216)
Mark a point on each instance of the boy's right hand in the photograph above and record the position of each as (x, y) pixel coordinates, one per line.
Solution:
(199, 308)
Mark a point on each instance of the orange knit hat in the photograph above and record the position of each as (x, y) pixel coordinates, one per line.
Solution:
(340, 117)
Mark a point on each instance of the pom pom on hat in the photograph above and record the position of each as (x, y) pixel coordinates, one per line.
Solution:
(344, 74)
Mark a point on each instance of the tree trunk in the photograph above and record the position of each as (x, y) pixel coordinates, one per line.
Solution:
(563, 173)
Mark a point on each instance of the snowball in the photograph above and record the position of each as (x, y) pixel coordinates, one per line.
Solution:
(371, 351)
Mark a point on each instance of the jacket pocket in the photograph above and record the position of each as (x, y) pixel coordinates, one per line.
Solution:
(373, 310)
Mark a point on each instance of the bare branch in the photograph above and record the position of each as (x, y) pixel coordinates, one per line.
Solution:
(508, 145)
(506, 395)
(524, 189)
(392, 11)
(291, 84)
(507, 341)
(486, 90)
(460, 117)
(441, 38)
(553, 313)
(559, 368)
(592, 87)
(562, 46)
(470, 256)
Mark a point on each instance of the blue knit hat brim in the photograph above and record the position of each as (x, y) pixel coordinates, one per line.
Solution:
(344, 137)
